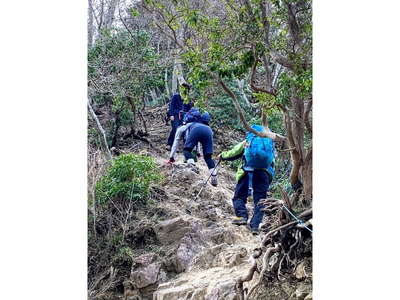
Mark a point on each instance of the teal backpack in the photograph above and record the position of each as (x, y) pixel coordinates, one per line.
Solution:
(259, 153)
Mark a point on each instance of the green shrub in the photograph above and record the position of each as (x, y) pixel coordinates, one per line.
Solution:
(128, 178)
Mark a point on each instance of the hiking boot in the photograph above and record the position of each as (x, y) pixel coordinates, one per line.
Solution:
(254, 231)
(239, 221)
(190, 162)
(214, 181)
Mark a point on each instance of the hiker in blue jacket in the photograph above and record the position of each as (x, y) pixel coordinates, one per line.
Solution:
(254, 175)
(196, 130)
(176, 112)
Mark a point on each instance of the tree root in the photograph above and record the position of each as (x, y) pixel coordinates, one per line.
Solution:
(137, 137)
(266, 258)
(249, 276)
(286, 240)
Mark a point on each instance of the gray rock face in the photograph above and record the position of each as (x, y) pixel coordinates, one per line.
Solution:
(212, 284)
(182, 256)
(171, 231)
(146, 276)
(223, 290)
(144, 260)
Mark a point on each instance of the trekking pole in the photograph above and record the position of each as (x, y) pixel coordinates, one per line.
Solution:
(204, 185)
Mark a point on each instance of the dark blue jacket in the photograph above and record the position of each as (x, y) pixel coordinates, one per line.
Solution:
(176, 105)
(187, 107)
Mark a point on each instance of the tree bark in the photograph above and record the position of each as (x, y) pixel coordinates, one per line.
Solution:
(307, 177)
(307, 120)
(174, 81)
(109, 17)
(166, 84)
(294, 154)
(90, 24)
(278, 71)
(101, 132)
(179, 75)
(298, 126)
(241, 89)
(153, 95)
(116, 129)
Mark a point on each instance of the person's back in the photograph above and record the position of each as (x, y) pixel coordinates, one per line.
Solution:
(175, 105)
(253, 176)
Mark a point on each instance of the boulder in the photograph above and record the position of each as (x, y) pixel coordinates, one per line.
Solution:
(146, 276)
(175, 293)
(220, 236)
(308, 297)
(223, 291)
(300, 293)
(216, 283)
(144, 260)
(209, 257)
(300, 271)
(172, 230)
(182, 257)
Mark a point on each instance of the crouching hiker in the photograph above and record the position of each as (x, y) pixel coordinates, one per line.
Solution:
(196, 131)
(253, 176)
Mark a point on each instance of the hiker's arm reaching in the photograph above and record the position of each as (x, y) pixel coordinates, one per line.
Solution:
(234, 153)
(178, 135)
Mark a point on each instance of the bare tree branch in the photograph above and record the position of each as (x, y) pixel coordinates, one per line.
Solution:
(253, 84)
(101, 131)
(266, 133)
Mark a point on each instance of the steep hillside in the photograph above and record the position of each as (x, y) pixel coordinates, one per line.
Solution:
(192, 250)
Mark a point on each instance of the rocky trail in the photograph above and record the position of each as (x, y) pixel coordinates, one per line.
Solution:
(201, 254)
(210, 251)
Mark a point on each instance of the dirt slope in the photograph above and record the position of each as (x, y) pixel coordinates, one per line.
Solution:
(202, 253)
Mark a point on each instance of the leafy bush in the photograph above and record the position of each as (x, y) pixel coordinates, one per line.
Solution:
(128, 178)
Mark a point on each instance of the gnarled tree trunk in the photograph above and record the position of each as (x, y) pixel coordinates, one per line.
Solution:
(307, 177)
(101, 131)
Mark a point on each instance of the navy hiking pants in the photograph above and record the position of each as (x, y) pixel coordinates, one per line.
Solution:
(261, 182)
(200, 133)
(174, 125)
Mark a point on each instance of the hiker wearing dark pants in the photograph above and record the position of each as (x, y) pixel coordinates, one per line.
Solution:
(261, 181)
(191, 117)
(253, 176)
(201, 133)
